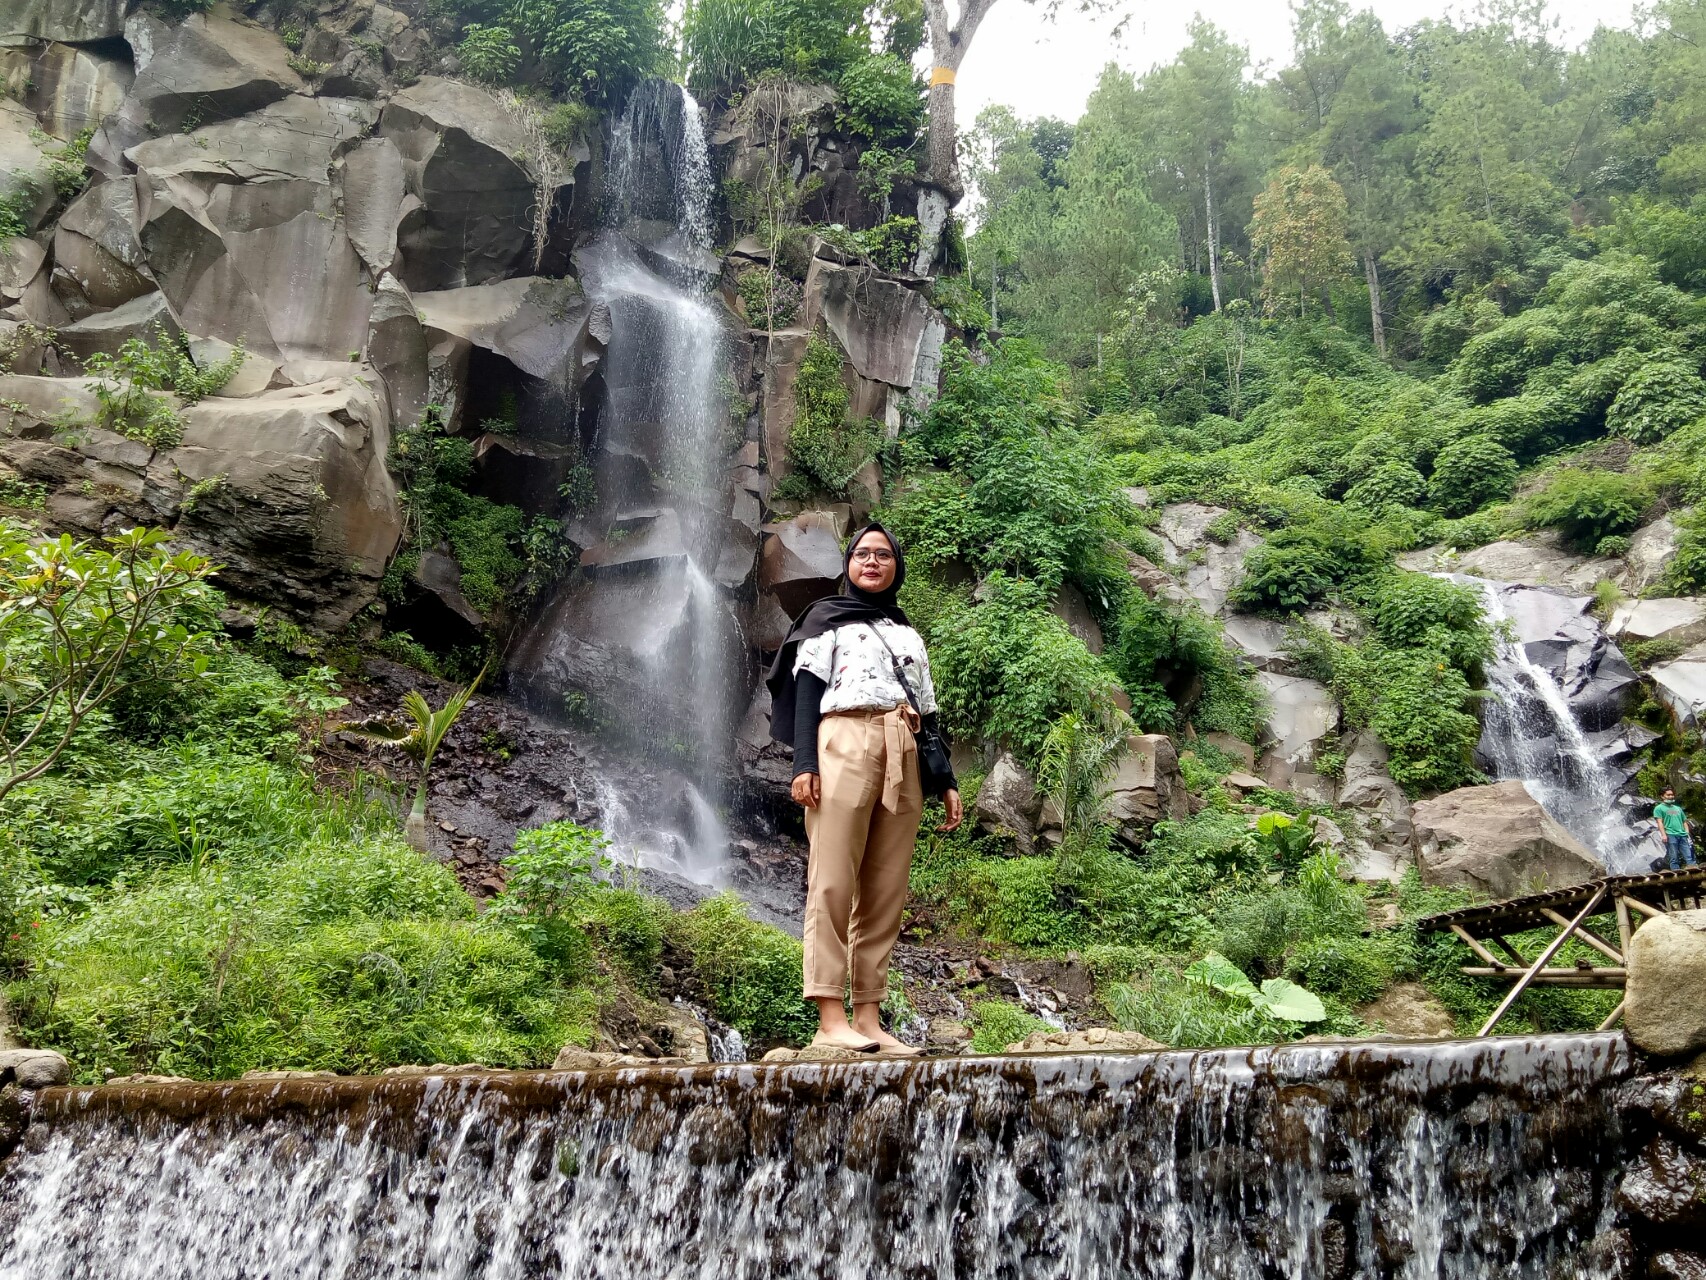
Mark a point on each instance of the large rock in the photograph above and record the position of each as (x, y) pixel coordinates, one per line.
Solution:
(892, 336)
(1368, 789)
(1497, 840)
(1560, 635)
(296, 500)
(22, 153)
(1260, 642)
(547, 329)
(1007, 803)
(33, 1068)
(1300, 713)
(1073, 608)
(1647, 561)
(1089, 1040)
(764, 763)
(1680, 620)
(801, 560)
(1210, 569)
(1146, 788)
(76, 21)
(147, 317)
(1681, 685)
(1664, 1009)
(1539, 561)
(70, 89)
(465, 161)
(98, 261)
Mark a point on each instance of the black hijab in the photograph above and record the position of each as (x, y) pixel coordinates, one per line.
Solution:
(852, 605)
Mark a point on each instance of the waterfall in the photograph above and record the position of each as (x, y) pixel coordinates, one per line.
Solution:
(648, 631)
(1532, 732)
(1453, 1161)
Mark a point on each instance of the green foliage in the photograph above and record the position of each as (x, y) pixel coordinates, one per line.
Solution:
(129, 385)
(1161, 653)
(1469, 473)
(1390, 484)
(730, 43)
(1300, 564)
(772, 300)
(591, 50)
(1658, 398)
(1586, 506)
(551, 882)
(879, 169)
(751, 971)
(568, 123)
(1276, 997)
(881, 99)
(82, 626)
(1686, 573)
(489, 53)
(824, 446)
(1077, 759)
(997, 1024)
(1006, 668)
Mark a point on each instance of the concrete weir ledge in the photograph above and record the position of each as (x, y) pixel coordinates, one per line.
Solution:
(1448, 1158)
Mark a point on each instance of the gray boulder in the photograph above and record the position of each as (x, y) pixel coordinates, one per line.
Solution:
(1147, 788)
(400, 352)
(70, 89)
(1300, 714)
(1681, 620)
(1007, 803)
(22, 152)
(71, 20)
(548, 329)
(1497, 840)
(800, 560)
(1680, 685)
(294, 496)
(1648, 558)
(1537, 561)
(1210, 570)
(146, 317)
(464, 158)
(1663, 1008)
(33, 1068)
(98, 263)
(764, 763)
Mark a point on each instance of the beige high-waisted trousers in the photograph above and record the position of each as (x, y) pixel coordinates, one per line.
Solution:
(862, 834)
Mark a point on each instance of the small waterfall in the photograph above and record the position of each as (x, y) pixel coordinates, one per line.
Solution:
(649, 632)
(1447, 1161)
(1530, 730)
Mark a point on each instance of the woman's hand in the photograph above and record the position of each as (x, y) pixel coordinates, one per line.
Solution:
(808, 790)
(950, 802)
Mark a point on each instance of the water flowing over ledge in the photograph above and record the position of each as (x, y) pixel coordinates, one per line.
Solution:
(1450, 1159)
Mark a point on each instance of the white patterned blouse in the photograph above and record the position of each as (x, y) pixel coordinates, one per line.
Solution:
(856, 667)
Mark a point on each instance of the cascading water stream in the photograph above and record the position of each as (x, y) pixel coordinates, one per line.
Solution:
(660, 535)
(1445, 1161)
(1530, 732)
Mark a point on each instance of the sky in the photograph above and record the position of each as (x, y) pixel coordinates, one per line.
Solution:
(1048, 68)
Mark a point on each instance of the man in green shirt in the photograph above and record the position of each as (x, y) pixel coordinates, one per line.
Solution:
(1672, 823)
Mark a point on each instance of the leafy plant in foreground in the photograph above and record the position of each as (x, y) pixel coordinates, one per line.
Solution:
(80, 626)
(1276, 997)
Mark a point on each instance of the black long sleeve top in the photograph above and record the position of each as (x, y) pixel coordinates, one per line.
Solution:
(808, 711)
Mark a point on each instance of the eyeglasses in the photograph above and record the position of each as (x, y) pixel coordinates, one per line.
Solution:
(881, 557)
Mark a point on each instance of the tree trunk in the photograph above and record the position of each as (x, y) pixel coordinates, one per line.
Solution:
(415, 825)
(1371, 273)
(942, 187)
(1213, 238)
(994, 282)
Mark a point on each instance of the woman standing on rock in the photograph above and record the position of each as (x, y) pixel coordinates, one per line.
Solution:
(850, 691)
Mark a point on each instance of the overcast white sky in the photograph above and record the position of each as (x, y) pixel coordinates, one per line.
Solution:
(1049, 68)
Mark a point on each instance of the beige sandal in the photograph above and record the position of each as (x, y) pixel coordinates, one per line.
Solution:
(820, 1041)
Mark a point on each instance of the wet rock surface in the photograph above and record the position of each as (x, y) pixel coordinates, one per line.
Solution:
(1497, 840)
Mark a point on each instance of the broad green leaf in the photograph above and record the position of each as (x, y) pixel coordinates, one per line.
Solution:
(1289, 1001)
(1215, 970)
(1269, 823)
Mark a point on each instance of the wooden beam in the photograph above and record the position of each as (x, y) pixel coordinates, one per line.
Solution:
(1545, 957)
(1512, 952)
(1612, 1017)
(1625, 927)
(1586, 935)
(1476, 947)
(1606, 977)
(1645, 908)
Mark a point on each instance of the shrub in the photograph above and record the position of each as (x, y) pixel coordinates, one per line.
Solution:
(1302, 563)
(1659, 397)
(1586, 506)
(1161, 653)
(771, 301)
(881, 99)
(489, 53)
(1469, 473)
(1390, 484)
(997, 1024)
(1686, 573)
(1421, 718)
(129, 384)
(1006, 668)
(823, 445)
(752, 972)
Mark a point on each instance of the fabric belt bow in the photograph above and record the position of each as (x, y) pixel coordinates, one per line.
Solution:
(899, 724)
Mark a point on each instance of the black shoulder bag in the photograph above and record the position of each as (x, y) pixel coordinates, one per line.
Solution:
(934, 770)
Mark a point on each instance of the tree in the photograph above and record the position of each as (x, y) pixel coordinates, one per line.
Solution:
(79, 626)
(1299, 229)
(950, 41)
(419, 740)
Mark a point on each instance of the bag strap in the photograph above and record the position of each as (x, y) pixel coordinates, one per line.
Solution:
(899, 675)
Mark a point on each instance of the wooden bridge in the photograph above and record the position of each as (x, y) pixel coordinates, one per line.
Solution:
(1568, 910)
